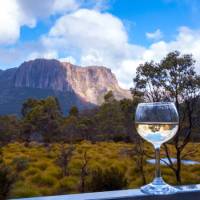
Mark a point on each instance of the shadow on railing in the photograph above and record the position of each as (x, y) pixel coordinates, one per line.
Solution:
(188, 192)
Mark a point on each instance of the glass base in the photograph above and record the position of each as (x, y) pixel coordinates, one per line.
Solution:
(158, 187)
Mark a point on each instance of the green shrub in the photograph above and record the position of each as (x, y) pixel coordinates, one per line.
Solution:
(135, 183)
(42, 165)
(43, 180)
(54, 171)
(39, 174)
(24, 191)
(67, 185)
(109, 179)
(7, 180)
(20, 163)
(31, 171)
(195, 169)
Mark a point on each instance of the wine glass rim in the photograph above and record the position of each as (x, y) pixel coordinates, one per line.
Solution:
(156, 103)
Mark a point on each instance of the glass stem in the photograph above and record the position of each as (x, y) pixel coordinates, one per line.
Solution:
(157, 159)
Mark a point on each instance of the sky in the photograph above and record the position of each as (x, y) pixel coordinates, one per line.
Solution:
(118, 34)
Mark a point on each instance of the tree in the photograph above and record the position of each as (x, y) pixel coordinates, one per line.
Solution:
(138, 152)
(109, 120)
(42, 117)
(128, 107)
(173, 79)
(84, 171)
(85, 128)
(74, 111)
(182, 84)
(7, 179)
(87, 124)
(29, 105)
(109, 97)
(27, 128)
(64, 158)
(69, 129)
(148, 82)
(9, 129)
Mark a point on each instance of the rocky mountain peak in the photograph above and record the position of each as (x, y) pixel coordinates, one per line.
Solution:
(90, 83)
(93, 82)
(41, 73)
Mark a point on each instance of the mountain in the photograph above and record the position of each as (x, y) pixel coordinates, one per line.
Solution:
(92, 83)
(72, 85)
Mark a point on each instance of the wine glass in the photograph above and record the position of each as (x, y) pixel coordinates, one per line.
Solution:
(157, 123)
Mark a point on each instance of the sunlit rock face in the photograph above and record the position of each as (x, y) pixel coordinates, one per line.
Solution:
(83, 87)
(93, 82)
(89, 83)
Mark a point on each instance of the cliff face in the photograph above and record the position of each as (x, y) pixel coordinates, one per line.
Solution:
(83, 87)
(90, 83)
(43, 74)
(93, 82)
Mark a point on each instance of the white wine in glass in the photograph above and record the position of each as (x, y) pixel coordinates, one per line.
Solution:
(157, 132)
(157, 123)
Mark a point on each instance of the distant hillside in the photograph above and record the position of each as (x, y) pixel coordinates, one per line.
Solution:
(72, 85)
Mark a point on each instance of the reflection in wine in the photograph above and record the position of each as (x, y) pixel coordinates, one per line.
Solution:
(157, 132)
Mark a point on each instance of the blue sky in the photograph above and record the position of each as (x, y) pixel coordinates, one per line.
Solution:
(149, 15)
(119, 34)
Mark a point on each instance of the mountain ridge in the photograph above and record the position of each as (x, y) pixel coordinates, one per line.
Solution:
(73, 85)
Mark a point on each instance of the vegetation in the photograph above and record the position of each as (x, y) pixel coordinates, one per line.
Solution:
(110, 166)
(173, 79)
(42, 121)
(47, 153)
(107, 180)
(7, 178)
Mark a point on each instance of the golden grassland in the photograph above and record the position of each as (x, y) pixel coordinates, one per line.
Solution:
(39, 175)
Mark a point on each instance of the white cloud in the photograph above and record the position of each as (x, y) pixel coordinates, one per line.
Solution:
(186, 41)
(157, 35)
(11, 19)
(101, 4)
(89, 28)
(17, 13)
(86, 37)
(40, 9)
(97, 38)
(68, 59)
(10, 57)
(63, 6)
(46, 54)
